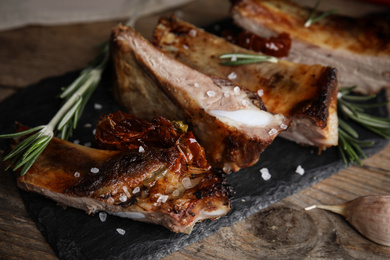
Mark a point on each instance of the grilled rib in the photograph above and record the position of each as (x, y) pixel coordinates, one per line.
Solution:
(307, 93)
(166, 182)
(228, 120)
(358, 47)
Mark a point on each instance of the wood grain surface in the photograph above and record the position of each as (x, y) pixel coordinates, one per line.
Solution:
(282, 231)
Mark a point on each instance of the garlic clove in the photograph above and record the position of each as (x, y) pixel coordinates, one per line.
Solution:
(370, 215)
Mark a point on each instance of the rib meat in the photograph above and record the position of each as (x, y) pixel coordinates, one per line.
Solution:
(159, 175)
(358, 48)
(307, 93)
(228, 120)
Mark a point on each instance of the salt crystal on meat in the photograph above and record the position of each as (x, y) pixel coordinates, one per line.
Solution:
(265, 174)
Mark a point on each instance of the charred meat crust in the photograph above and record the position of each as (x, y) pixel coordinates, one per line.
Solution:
(318, 109)
(171, 186)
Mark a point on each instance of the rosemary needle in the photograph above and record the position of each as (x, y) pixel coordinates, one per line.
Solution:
(313, 19)
(236, 59)
(350, 110)
(75, 97)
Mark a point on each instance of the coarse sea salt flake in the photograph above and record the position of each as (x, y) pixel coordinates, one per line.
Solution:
(121, 231)
(265, 174)
(126, 190)
(186, 183)
(300, 170)
(103, 216)
(136, 190)
(196, 85)
(192, 140)
(236, 89)
(271, 46)
(162, 198)
(226, 94)
(283, 126)
(76, 174)
(260, 92)
(185, 47)
(233, 58)
(97, 106)
(176, 193)
(76, 141)
(123, 198)
(211, 93)
(273, 131)
(141, 149)
(232, 75)
(94, 170)
(192, 33)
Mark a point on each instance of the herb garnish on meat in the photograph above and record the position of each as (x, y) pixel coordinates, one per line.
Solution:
(313, 19)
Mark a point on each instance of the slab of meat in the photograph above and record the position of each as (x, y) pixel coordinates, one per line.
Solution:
(307, 93)
(158, 175)
(358, 48)
(228, 120)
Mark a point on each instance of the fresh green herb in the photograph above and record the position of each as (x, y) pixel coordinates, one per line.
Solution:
(313, 19)
(236, 59)
(75, 97)
(350, 109)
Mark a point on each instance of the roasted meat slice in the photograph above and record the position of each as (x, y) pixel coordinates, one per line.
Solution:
(228, 120)
(358, 47)
(167, 182)
(307, 93)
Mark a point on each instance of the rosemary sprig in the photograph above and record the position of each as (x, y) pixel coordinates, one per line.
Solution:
(236, 59)
(313, 19)
(75, 97)
(349, 145)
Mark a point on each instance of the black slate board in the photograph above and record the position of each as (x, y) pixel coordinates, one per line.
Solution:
(75, 235)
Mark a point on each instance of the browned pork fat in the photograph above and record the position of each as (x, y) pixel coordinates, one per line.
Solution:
(307, 93)
(358, 48)
(227, 119)
(166, 182)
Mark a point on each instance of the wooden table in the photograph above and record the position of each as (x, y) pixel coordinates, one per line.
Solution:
(283, 230)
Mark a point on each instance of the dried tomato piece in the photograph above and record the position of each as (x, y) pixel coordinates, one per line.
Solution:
(278, 46)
